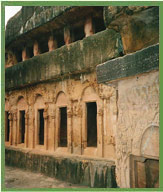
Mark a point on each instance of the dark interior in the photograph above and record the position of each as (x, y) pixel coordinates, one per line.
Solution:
(63, 127)
(7, 126)
(41, 127)
(22, 126)
(91, 124)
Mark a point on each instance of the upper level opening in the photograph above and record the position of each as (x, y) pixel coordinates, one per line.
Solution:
(73, 25)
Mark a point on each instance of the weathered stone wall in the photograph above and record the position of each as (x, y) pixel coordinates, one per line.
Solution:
(136, 63)
(89, 172)
(77, 93)
(137, 126)
(138, 111)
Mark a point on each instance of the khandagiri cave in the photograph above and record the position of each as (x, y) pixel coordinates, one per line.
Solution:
(82, 94)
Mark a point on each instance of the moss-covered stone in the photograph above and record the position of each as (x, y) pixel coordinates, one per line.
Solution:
(142, 61)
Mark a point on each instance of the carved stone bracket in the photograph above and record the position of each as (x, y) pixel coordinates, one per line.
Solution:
(45, 114)
(10, 116)
(100, 112)
(77, 110)
(27, 114)
(105, 91)
(52, 116)
(15, 116)
(69, 112)
(112, 140)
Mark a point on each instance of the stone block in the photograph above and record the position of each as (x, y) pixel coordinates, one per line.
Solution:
(132, 64)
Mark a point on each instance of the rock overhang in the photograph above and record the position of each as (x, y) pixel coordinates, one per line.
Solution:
(78, 57)
(31, 20)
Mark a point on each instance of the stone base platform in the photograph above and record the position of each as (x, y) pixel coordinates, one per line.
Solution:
(81, 170)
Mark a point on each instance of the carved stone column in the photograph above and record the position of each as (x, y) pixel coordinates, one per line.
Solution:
(69, 130)
(57, 120)
(15, 131)
(46, 126)
(31, 127)
(105, 92)
(11, 59)
(26, 128)
(77, 114)
(24, 54)
(52, 120)
(88, 27)
(11, 129)
(68, 37)
(100, 135)
(52, 43)
(83, 126)
(36, 49)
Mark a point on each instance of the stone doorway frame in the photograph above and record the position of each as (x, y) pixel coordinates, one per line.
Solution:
(22, 106)
(62, 101)
(39, 105)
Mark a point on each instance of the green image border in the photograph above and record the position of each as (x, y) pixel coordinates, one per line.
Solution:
(77, 3)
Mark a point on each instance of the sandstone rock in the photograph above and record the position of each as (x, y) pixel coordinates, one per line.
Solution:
(138, 26)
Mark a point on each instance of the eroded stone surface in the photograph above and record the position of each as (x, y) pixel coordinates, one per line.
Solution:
(138, 26)
(138, 109)
(132, 64)
(19, 179)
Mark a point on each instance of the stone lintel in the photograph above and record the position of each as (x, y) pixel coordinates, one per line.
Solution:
(129, 65)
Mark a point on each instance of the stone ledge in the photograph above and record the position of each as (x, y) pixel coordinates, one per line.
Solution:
(77, 57)
(132, 64)
(93, 173)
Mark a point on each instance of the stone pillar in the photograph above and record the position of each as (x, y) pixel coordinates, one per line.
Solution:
(24, 54)
(31, 127)
(36, 50)
(69, 130)
(83, 134)
(26, 128)
(77, 128)
(100, 132)
(67, 36)
(15, 141)
(46, 127)
(11, 129)
(79, 115)
(53, 127)
(11, 59)
(52, 43)
(88, 27)
(51, 124)
(57, 127)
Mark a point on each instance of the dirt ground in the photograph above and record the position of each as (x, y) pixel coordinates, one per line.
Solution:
(20, 179)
